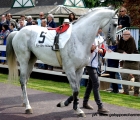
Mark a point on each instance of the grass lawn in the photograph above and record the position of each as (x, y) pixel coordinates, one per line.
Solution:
(64, 88)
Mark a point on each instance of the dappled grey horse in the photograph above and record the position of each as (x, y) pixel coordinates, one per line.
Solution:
(75, 54)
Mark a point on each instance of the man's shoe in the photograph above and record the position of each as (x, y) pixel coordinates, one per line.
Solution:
(114, 92)
(87, 106)
(103, 111)
(135, 94)
(125, 93)
(109, 89)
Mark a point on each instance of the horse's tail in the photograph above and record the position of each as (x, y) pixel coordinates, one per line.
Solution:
(11, 57)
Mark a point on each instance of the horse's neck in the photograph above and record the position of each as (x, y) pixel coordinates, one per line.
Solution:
(86, 31)
(86, 28)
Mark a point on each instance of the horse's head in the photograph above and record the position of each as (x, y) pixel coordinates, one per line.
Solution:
(110, 28)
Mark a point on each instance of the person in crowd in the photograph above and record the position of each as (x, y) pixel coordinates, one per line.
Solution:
(40, 65)
(93, 82)
(52, 24)
(124, 19)
(3, 20)
(21, 24)
(34, 22)
(66, 21)
(50, 21)
(4, 33)
(6, 15)
(114, 87)
(22, 17)
(44, 23)
(72, 17)
(41, 16)
(9, 19)
(127, 45)
(29, 20)
(12, 27)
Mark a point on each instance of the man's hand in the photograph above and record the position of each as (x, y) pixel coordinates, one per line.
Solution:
(100, 51)
(109, 50)
(119, 26)
(131, 75)
(124, 53)
(93, 47)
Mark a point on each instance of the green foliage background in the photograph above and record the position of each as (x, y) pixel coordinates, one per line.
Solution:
(95, 3)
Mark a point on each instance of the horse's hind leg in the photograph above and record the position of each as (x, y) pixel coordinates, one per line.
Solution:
(31, 63)
(23, 60)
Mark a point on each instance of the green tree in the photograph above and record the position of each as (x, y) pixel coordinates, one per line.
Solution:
(95, 3)
(91, 3)
(115, 3)
(133, 8)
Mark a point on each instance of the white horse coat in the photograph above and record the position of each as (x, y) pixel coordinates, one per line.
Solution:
(75, 55)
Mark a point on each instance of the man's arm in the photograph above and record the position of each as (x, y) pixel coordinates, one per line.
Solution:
(131, 46)
(120, 49)
(102, 51)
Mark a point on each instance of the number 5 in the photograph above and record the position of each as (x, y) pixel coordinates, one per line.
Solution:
(43, 36)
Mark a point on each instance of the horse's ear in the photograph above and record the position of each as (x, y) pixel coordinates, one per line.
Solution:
(116, 11)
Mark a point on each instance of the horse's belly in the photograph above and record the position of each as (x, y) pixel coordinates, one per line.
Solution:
(46, 55)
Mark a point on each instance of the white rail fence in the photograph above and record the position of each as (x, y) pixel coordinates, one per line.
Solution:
(112, 55)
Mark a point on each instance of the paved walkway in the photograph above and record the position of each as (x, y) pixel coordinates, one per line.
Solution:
(44, 107)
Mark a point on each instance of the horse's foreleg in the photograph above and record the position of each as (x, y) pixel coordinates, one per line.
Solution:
(65, 103)
(76, 107)
(74, 80)
(23, 80)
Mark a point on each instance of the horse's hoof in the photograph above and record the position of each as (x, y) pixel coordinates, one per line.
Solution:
(23, 105)
(28, 111)
(61, 104)
(81, 115)
(58, 105)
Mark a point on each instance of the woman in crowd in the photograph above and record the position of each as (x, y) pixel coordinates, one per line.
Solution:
(72, 17)
(4, 33)
(12, 27)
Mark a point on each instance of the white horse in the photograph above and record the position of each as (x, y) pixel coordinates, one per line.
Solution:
(75, 55)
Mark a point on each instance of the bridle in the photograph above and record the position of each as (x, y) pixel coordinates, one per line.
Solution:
(107, 38)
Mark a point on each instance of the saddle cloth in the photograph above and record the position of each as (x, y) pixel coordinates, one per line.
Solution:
(61, 28)
(45, 37)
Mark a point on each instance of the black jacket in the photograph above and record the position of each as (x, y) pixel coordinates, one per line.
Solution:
(124, 21)
(128, 46)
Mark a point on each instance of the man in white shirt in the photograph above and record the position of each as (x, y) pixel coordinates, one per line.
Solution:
(93, 82)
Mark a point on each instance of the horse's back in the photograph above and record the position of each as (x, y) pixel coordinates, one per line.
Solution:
(24, 41)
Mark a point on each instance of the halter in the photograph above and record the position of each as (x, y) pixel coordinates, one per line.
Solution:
(109, 38)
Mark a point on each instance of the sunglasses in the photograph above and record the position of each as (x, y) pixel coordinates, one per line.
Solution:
(40, 15)
(126, 34)
(121, 11)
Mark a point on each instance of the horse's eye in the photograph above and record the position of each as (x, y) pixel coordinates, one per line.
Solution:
(115, 25)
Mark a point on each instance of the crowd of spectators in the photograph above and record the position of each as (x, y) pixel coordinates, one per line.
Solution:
(8, 24)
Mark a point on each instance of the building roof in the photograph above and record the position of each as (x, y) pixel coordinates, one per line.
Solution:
(6, 3)
(3, 10)
(40, 6)
(49, 2)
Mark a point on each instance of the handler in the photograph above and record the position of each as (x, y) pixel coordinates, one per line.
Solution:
(93, 82)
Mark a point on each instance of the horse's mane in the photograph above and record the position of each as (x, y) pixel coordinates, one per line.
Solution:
(89, 12)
